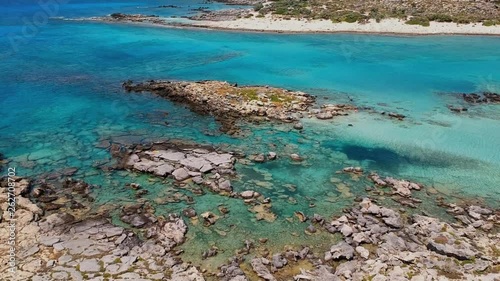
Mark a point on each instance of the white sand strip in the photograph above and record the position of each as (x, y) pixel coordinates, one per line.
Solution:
(395, 26)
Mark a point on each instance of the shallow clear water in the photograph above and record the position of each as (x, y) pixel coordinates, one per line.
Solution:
(61, 94)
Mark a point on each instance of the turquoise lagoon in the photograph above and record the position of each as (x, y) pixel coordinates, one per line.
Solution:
(60, 95)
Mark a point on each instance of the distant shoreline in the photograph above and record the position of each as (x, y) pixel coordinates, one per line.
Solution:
(389, 27)
(270, 24)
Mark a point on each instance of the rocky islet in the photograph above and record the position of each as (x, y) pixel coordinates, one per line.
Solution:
(230, 103)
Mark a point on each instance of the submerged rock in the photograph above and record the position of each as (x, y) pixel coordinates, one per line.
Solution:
(484, 97)
(210, 218)
(189, 212)
(271, 155)
(248, 194)
(298, 126)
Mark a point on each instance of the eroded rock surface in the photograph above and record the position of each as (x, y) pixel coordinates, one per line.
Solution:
(204, 166)
(77, 244)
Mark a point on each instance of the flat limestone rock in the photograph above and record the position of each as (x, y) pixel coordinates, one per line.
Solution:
(247, 194)
(170, 155)
(49, 241)
(445, 244)
(145, 165)
(194, 163)
(77, 246)
(206, 168)
(218, 159)
(163, 170)
(90, 265)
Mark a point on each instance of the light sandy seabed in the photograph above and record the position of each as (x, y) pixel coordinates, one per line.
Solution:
(273, 24)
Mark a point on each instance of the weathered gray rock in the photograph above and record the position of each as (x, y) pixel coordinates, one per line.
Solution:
(342, 250)
(77, 245)
(479, 210)
(194, 163)
(184, 273)
(180, 174)
(163, 170)
(364, 253)
(218, 159)
(271, 155)
(324, 115)
(323, 272)
(261, 270)
(346, 230)
(259, 158)
(279, 261)
(225, 185)
(247, 194)
(90, 265)
(139, 220)
(49, 241)
(298, 126)
(295, 157)
(189, 212)
(445, 244)
(206, 168)
(145, 165)
(169, 155)
(175, 230)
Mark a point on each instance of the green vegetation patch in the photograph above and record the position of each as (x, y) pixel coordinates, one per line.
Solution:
(418, 21)
(348, 16)
(248, 93)
(491, 22)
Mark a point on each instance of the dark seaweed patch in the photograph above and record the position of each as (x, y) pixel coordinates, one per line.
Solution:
(390, 160)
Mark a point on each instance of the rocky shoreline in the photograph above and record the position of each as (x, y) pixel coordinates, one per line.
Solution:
(68, 240)
(223, 15)
(63, 235)
(230, 103)
(239, 2)
(244, 20)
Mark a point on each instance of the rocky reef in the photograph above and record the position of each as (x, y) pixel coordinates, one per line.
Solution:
(470, 100)
(479, 98)
(132, 18)
(202, 165)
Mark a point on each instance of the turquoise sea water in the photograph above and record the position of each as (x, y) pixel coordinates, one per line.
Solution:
(60, 94)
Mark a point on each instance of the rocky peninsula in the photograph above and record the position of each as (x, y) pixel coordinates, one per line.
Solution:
(297, 18)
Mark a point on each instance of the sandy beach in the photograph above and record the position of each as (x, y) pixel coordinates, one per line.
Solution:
(389, 26)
